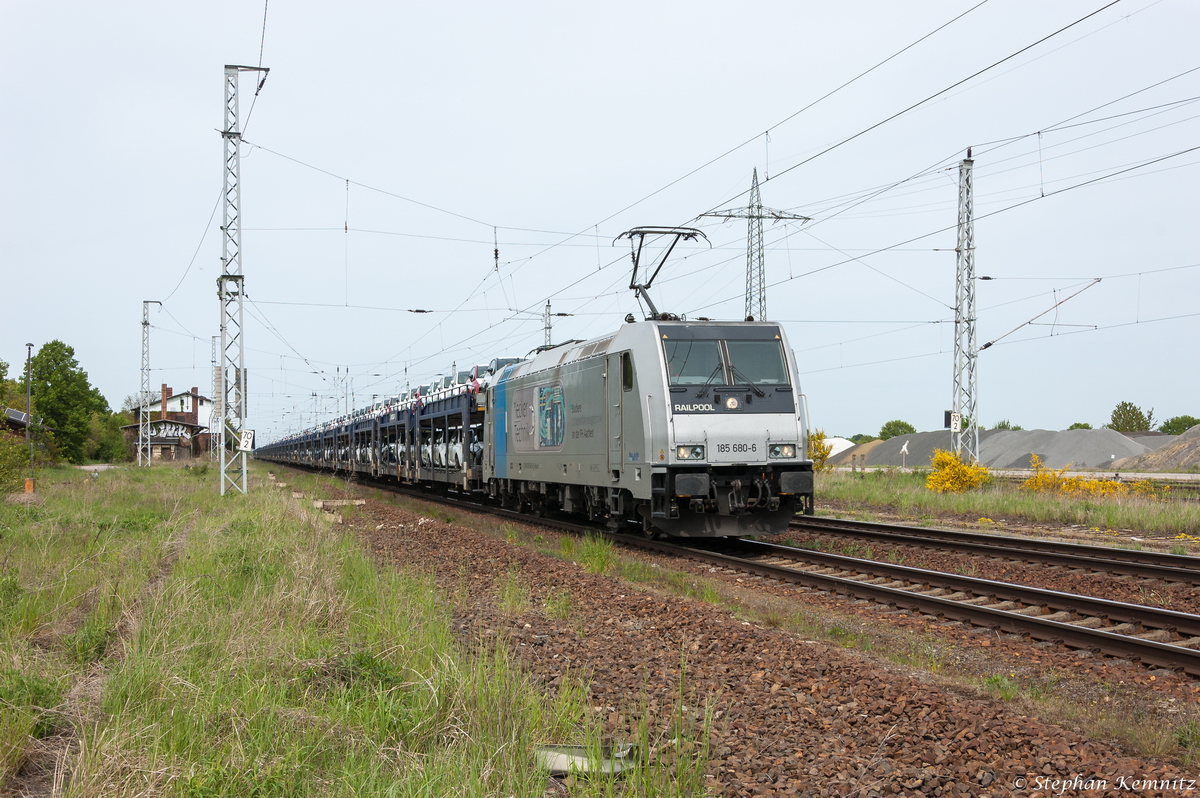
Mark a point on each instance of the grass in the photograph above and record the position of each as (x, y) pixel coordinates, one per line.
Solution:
(513, 594)
(73, 565)
(558, 605)
(597, 554)
(263, 653)
(1003, 687)
(907, 494)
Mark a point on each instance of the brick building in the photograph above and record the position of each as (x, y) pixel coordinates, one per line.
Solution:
(180, 432)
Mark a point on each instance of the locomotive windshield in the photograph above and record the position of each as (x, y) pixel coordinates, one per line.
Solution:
(759, 362)
(694, 362)
(725, 362)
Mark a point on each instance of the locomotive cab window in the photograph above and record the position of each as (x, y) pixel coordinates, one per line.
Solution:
(626, 371)
(699, 362)
(692, 362)
(758, 362)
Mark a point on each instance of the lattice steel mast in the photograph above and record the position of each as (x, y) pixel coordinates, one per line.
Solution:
(217, 412)
(756, 269)
(144, 458)
(547, 324)
(965, 433)
(230, 291)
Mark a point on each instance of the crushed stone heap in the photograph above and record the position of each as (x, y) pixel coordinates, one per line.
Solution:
(1084, 449)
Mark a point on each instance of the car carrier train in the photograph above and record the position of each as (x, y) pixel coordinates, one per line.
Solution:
(673, 427)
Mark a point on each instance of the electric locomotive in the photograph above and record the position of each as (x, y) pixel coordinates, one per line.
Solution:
(682, 428)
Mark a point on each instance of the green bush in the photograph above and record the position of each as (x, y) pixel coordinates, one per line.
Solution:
(14, 462)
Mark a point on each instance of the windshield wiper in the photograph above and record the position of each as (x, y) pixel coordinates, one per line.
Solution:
(703, 392)
(753, 387)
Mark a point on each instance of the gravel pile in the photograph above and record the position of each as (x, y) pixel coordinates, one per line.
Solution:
(1095, 449)
(792, 716)
(1178, 452)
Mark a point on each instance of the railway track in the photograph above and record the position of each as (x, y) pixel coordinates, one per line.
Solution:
(1100, 559)
(1157, 637)
(1152, 636)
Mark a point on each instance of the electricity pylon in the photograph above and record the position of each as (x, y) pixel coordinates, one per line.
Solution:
(756, 271)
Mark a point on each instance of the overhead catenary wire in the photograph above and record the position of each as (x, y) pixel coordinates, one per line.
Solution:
(203, 236)
(978, 217)
(918, 104)
(1097, 328)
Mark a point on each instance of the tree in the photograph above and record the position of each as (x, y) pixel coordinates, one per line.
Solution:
(64, 399)
(12, 392)
(1004, 423)
(1178, 425)
(1080, 425)
(1128, 417)
(862, 438)
(105, 441)
(894, 428)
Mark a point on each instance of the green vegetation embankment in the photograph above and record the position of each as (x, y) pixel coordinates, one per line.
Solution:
(158, 639)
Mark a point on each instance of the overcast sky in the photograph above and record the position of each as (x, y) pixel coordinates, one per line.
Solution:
(554, 127)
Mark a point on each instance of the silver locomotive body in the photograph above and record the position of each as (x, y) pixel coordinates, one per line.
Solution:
(681, 428)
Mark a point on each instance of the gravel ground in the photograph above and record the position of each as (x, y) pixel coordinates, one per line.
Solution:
(792, 715)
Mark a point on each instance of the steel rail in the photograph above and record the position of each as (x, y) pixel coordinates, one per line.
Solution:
(1149, 652)
(1148, 565)
(1184, 623)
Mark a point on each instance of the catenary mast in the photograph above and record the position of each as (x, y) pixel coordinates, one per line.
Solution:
(231, 436)
(964, 425)
(144, 458)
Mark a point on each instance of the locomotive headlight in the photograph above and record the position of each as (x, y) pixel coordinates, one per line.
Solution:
(689, 452)
(780, 451)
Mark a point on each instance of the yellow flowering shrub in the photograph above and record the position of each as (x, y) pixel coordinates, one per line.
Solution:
(819, 451)
(1048, 480)
(952, 475)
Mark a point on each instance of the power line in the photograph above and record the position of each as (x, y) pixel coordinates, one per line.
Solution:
(385, 192)
(792, 116)
(980, 216)
(933, 96)
(1064, 122)
(1007, 343)
(207, 227)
